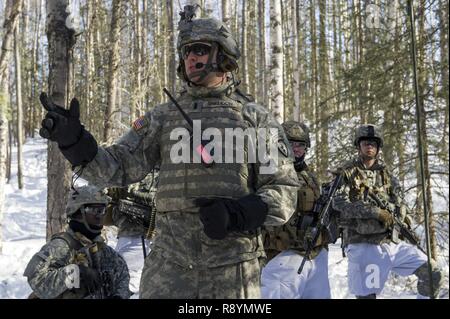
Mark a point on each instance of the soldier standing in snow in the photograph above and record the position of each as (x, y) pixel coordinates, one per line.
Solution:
(371, 211)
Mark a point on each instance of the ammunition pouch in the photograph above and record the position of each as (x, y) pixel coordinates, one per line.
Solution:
(306, 199)
(369, 227)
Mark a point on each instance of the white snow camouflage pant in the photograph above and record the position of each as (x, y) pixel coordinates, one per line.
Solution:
(279, 279)
(369, 265)
(130, 248)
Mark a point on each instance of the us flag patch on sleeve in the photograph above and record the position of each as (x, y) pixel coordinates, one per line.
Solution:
(139, 123)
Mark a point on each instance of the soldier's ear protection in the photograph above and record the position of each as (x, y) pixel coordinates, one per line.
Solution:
(225, 63)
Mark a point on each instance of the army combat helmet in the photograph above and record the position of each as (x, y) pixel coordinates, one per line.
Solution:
(211, 31)
(81, 197)
(296, 131)
(368, 131)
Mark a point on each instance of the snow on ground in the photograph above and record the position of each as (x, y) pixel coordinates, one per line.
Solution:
(23, 232)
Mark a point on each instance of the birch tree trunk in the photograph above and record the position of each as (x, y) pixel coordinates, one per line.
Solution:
(34, 66)
(226, 11)
(136, 97)
(20, 126)
(171, 47)
(276, 67)
(296, 63)
(60, 44)
(262, 96)
(422, 79)
(443, 48)
(244, 57)
(324, 107)
(114, 55)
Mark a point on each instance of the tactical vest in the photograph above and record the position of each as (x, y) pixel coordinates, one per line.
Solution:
(291, 235)
(74, 245)
(361, 181)
(180, 183)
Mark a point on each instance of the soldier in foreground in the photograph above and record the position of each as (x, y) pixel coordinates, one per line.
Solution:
(375, 223)
(285, 245)
(208, 242)
(77, 264)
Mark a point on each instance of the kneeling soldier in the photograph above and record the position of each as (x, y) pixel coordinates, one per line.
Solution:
(77, 264)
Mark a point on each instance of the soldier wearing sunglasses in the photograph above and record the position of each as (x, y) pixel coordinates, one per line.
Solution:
(77, 264)
(208, 242)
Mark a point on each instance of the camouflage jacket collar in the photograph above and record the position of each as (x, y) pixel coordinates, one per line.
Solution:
(377, 166)
(84, 240)
(201, 91)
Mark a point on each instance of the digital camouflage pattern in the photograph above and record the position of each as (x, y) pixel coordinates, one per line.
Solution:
(83, 195)
(360, 219)
(53, 271)
(210, 30)
(291, 235)
(180, 236)
(185, 263)
(296, 131)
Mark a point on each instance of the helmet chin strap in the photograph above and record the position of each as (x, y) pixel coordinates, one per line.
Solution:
(367, 157)
(88, 227)
(209, 66)
(299, 163)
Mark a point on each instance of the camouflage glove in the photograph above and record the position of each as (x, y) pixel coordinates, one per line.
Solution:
(386, 218)
(221, 216)
(90, 278)
(64, 127)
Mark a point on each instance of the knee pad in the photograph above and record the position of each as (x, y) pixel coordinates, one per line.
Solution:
(423, 284)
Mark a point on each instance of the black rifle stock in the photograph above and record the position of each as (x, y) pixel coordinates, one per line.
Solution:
(322, 207)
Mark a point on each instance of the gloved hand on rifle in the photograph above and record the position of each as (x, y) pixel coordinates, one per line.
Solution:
(386, 218)
(63, 126)
(221, 216)
(90, 278)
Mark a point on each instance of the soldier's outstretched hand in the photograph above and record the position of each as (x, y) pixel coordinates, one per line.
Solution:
(61, 125)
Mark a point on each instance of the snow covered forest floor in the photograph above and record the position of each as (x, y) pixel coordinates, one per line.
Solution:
(23, 233)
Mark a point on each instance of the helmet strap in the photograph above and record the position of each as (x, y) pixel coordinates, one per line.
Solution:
(208, 68)
(79, 227)
(299, 163)
(85, 223)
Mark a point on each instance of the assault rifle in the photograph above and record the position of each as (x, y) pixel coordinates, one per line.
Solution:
(322, 208)
(400, 228)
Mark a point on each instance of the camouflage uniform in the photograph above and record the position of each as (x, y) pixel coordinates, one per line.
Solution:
(184, 262)
(365, 234)
(286, 243)
(53, 272)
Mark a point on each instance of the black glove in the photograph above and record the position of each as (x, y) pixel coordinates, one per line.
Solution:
(221, 216)
(90, 278)
(60, 125)
(64, 127)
